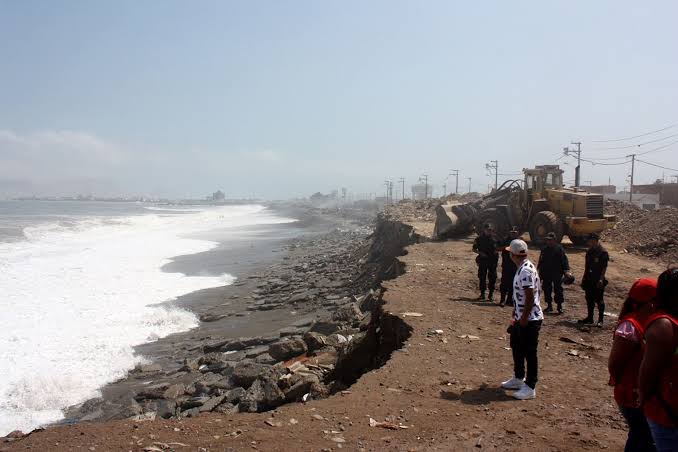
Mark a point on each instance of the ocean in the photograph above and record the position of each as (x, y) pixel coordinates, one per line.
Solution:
(82, 284)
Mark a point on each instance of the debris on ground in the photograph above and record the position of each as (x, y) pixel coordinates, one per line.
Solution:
(649, 233)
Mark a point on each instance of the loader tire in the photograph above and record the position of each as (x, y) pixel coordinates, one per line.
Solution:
(500, 224)
(543, 223)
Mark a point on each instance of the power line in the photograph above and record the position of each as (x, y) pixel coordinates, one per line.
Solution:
(659, 148)
(636, 136)
(639, 144)
(658, 166)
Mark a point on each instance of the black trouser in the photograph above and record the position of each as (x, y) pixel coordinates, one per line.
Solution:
(487, 269)
(640, 437)
(506, 287)
(524, 344)
(552, 284)
(595, 297)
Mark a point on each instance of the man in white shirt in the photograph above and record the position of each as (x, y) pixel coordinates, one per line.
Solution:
(527, 319)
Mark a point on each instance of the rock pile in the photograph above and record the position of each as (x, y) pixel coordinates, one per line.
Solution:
(650, 233)
(411, 211)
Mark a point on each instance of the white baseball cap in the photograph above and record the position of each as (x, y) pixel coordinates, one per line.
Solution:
(517, 247)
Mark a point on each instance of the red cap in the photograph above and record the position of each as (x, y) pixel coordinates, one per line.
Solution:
(644, 290)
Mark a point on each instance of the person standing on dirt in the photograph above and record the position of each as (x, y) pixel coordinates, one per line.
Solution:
(553, 265)
(488, 257)
(625, 358)
(527, 320)
(658, 379)
(594, 281)
(508, 270)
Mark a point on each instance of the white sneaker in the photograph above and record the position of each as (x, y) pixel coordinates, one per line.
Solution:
(525, 393)
(513, 383)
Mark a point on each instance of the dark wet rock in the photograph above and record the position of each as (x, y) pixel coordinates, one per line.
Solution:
(148, 368)
(192, 412)
(152, 392)
(211, 317)
(286, 349)
(164, 408)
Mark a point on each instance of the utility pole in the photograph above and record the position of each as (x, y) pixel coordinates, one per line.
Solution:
(425, 176)
(469, 184)
(494, 166)
(402, 181)
(444, 188)
(455, 173)
(577, 152)
(633, 167)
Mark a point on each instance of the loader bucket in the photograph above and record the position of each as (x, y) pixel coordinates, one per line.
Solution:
(450, 221)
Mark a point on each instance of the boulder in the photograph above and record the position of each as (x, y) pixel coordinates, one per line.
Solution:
(265, 358)
(246, 372)
(152, 392)
(211, 404)
(194, 402)
(264, 394)
(314, 341)
(226, 408)
(235, 395)
(174, 391)
(286, 349)
(301, 385)
(347, 313)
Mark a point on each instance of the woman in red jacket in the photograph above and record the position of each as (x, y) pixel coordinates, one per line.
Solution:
(625, 358)
(658, 379)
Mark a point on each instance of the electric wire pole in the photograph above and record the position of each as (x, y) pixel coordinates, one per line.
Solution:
(633, 167)
(469, 184)
(425, 176)
(577, 170)
(402, 181)
(455, 173)
(494, 166)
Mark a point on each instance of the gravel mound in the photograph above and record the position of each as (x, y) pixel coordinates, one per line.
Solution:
(650, 233)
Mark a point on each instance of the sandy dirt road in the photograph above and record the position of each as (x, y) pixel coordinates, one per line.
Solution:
(443, 387)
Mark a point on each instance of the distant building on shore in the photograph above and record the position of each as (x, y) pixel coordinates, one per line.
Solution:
(422, 191)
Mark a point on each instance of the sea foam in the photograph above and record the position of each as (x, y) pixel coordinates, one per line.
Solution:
(77, 298)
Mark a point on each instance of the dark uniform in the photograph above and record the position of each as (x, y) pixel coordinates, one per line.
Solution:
(594, 281)
(553, 264)
(508, 272)
(488, 257)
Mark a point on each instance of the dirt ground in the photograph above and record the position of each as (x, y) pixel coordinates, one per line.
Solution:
(443, 389)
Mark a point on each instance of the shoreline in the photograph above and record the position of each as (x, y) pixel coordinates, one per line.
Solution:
(226, 312)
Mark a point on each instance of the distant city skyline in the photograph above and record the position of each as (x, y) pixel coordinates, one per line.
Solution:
(285, 99)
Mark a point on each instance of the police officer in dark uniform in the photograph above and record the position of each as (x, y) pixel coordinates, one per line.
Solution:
(508, 270)
(488, 257)
(553, 265)
(594, 281)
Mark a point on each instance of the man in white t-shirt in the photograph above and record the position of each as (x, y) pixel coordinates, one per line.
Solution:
(527, 319)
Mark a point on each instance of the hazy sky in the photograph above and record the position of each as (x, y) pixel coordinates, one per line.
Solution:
(285, 98)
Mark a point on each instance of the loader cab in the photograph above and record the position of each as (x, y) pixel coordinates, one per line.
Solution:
(540, 178)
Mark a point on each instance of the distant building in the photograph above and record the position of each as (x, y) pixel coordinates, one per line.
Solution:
(218, 196)
(601, 189)
(644, 201)
(668, 193)
(419, 191)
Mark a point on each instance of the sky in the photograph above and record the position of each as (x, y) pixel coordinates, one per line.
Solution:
(282, 99)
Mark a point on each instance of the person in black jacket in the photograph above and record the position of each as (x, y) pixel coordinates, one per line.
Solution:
(553, 265)
(488, 257)
(508, 270)
(594, 281)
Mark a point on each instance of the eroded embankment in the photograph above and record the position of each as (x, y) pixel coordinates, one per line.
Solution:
(329, 356)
